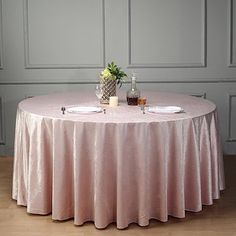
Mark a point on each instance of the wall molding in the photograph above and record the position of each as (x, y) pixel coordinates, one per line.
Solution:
(28, 65)
(1, 40)
(231, 62)
(199, 95)
(229, 136)
(2, 141)
(192, 81)
(203, 61)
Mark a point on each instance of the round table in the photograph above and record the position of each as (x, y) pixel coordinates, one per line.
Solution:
(122, 166)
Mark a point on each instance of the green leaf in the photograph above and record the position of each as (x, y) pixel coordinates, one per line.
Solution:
(117, 73)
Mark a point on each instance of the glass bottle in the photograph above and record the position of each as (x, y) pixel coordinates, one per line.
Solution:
(133, 94)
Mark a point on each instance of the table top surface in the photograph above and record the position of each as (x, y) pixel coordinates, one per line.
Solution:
(49, 106)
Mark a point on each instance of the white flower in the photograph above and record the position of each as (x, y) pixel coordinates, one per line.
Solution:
(105, 73)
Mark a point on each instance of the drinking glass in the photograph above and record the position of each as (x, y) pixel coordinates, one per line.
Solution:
(99, 91)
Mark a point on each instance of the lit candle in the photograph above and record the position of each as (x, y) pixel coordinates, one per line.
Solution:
(113, 101)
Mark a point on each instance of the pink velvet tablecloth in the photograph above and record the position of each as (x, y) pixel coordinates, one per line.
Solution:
(123, 166)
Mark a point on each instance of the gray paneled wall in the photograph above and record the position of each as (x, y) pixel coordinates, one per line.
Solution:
(64, 34)
(232, 116)
(167, 33)
(232, 19)
(0, 34)
(186, 46)
(1, 124)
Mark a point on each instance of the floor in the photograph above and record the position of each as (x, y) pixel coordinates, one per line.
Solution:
(218, 219)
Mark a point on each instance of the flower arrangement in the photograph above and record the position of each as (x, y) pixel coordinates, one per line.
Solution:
(113, 72)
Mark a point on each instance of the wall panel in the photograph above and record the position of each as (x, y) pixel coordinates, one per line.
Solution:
(166, 33)
(1, 123)
(232, 118)
(232, 43)
(1, 48)
(64, 33)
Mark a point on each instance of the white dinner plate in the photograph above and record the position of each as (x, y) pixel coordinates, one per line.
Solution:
(84, 110)
(165, 109)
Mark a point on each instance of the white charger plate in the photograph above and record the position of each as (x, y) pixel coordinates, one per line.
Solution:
(84, 110)
(165, 109)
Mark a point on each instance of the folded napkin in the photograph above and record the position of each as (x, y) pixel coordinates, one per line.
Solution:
(80, 109)
(165, 109)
